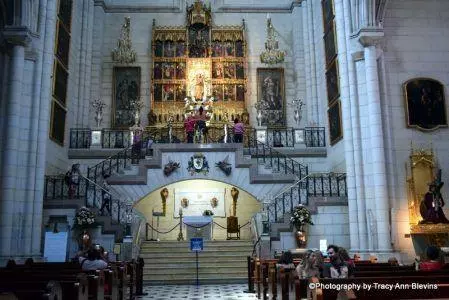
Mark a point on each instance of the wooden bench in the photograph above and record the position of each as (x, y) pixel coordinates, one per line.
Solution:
(32, 290)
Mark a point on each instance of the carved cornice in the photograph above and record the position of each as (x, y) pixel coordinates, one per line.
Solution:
(358, 56)
(176, 6)
(370, 36)
(17, 35)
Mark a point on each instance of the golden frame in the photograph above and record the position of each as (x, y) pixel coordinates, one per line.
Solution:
(339, 137)
(406, 104)
(326, 24)
(50, 136)
(114, 90)
(332, 28)
(282, 91)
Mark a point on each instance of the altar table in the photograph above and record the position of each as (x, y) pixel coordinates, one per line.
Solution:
(203, 222)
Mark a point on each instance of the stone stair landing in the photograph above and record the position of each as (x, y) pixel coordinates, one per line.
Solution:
(172, 262)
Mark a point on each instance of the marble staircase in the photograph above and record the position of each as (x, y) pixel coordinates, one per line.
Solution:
(172, 262)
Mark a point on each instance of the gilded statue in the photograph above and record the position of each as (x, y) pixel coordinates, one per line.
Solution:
(431, 207)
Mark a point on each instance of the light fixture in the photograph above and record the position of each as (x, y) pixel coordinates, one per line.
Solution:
(272, 55)
(124, 53)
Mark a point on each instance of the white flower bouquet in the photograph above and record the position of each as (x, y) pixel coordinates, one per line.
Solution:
(300, 216)
(84, 218)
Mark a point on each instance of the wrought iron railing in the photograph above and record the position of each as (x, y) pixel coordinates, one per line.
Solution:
(316, 184)
(80, 138)
(56, 188)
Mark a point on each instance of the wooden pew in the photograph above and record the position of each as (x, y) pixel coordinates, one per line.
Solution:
(33, 290)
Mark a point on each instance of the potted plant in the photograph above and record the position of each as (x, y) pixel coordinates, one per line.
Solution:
(300, 217)
(84, 219)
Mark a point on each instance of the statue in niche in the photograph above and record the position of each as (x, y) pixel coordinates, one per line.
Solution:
(199, 86)
(431, 207)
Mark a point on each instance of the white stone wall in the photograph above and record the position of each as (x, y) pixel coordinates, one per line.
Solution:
(416, 45)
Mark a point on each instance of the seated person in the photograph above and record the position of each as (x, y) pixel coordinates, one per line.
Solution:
(93, 261)
(286, 261)
(434, 262)
(393, 261)
(311, 265)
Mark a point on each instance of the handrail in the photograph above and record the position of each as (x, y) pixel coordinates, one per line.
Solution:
(100, 187)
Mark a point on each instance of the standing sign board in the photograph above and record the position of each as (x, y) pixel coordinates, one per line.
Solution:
(55, 249)
(196, 244)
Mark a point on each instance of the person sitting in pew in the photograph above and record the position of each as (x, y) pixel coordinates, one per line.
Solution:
(311, 266)
(286, 261)
(93, 261)
(393, 261)
(434, 262)
(349, 262)
(337, 268)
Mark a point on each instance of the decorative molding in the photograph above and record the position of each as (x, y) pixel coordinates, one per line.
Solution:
(177, 6)
(358, 56)
(370, 36)
(17, 35)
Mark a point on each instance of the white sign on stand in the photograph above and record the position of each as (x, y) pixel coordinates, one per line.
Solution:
(55, 249)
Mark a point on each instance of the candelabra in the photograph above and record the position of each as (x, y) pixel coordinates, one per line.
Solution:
(272, 55)
(124, 52)
(180, 235)
(98, 106)
(297, 105)
(259, 116)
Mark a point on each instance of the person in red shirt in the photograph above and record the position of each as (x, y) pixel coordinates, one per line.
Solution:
(433, 254)
(189, 126)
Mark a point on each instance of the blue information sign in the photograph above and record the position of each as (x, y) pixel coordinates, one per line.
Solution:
(196, 244)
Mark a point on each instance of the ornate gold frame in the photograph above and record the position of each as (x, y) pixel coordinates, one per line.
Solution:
(331, 65)
(407, 119)
(284, 100)
(337, 139)
(114, 89)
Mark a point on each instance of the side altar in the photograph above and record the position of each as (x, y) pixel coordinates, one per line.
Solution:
(198, 226)
(198, 64)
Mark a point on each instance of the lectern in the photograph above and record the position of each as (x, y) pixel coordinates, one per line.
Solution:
(233, 228)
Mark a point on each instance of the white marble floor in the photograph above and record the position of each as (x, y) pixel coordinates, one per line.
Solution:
(192, 292)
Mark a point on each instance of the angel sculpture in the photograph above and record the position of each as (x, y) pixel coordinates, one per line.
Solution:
(224, 166)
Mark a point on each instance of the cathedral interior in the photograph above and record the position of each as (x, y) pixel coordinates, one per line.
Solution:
(142, 125)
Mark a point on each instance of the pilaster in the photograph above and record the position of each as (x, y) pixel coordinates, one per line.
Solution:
(307, 63)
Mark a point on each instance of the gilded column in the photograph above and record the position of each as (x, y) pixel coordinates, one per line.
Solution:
(347, 124)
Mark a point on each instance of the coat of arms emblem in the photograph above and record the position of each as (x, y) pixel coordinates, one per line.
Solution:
(198, 164)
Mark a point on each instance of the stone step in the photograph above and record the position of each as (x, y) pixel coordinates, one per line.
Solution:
(187, 243)
(191, 279)
(217, 252)
(178, 270)
(210, 257)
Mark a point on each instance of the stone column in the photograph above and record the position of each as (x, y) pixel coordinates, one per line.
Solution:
(313, 66)
(347, 123)
(369, 41)
(88, 70)
(18, 38)
(356, 135)
(298, 56)
(305, 28)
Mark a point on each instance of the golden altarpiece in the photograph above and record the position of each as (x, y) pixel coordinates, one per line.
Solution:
(198, 65)
(422, 173)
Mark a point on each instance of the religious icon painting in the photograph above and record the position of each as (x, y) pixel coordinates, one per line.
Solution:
(157, 92)
(169, 49)
(217, 92)
(180, 92)
(180, 49)
(335, 123)
(168, 92)
(229, 92)
(271, 92)
(217, 49)
(229, 71)
(239, 50)
(180, 70)
(425, 104)
(328, 12)
(126, 88)
(330, 44)
(158, 49)
(168, 70)
(157, 71)
(217, 70)
(60, 83)
(333, 88)
(229, 48)
(239, 71)
(240, 92)
(63, 44)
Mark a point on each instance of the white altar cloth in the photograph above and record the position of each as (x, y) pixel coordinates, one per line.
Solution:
(203, 222)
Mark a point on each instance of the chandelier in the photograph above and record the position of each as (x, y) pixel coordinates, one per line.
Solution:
(124, 53)
(272, 55)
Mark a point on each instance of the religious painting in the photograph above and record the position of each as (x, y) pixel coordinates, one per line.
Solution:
(157, 92)
(65, 12)
(229, 92)
(330, 44)
(217, 92)
(229, 71)
(333, 88)
(181, 92)
(328, 12)
(180, 71)
(240, 92)
(239, 50)
(157, 71)
(271, 96)
(168, 92)
(229, 48)
(180, 49)
(425, 104)
(217, 49)
(198, 42)
(126, 88)
(158, 49)
(217, 70)
(240, 71)
(169, 49)
(335, 125)
(168, 70)
(60, 83)
(63, 45)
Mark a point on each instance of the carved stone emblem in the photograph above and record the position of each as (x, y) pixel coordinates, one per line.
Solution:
(198, 164)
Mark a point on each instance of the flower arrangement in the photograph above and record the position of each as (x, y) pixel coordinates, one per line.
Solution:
(300, 216)
(98, 105)
(84, 218)
(208, 212)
